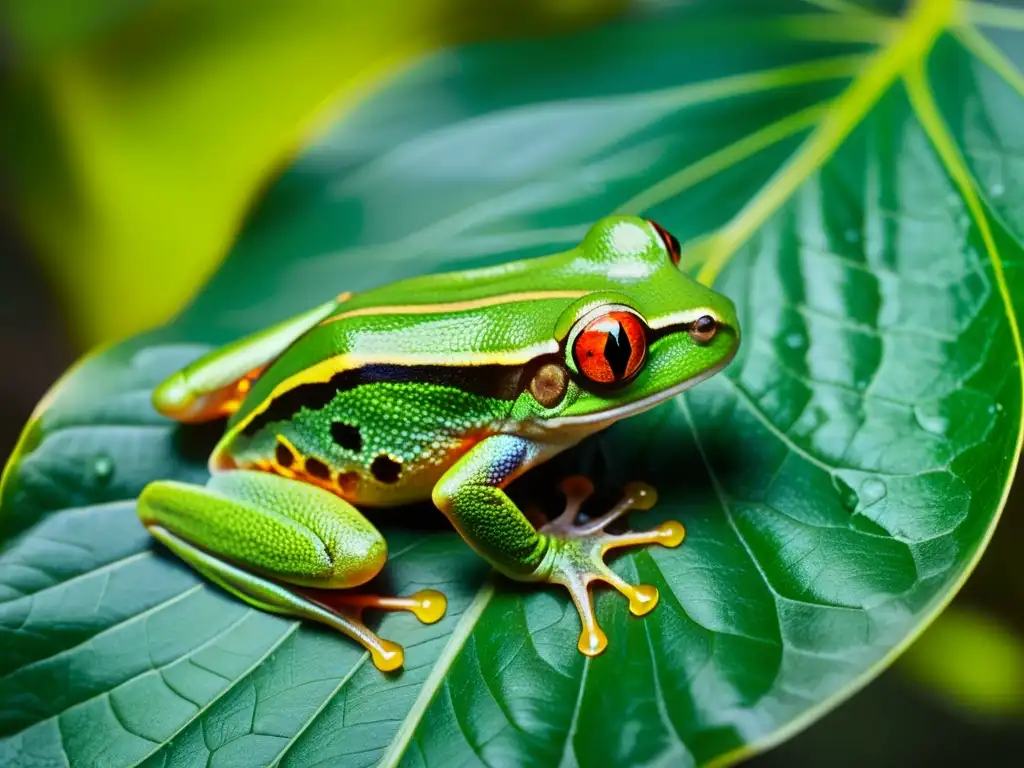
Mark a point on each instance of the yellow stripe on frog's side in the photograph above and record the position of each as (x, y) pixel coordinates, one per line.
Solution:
(683, 317)
(454, 306)
(325, 370)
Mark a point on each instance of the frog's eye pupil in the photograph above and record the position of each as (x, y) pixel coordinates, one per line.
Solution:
(611, 348)
(668, 240)
(703, 329)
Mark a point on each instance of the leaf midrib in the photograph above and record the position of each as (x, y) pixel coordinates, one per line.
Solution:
(432, 684)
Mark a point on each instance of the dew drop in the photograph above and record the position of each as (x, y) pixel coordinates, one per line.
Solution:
(794, 340)
(851, 235)
(998, 189)
(103, 468)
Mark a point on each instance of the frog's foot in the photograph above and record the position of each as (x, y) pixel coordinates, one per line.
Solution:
(576, 554)
(346, 610)
(315, 604)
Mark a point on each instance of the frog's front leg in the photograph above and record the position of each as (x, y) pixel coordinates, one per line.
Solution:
(471, 495)
(273, 541)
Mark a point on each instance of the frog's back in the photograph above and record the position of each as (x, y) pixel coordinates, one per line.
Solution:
(442, 319)
(389, 390)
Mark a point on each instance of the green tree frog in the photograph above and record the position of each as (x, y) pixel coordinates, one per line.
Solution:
(446, 387)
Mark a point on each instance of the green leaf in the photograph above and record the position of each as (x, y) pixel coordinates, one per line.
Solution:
(851, 181)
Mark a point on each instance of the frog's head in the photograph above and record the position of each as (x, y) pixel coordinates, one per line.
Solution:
(649, 332)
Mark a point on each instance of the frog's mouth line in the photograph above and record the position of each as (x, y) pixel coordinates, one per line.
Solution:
(592, 422)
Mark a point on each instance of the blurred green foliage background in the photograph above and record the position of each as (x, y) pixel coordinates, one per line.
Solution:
(134, 134)
(138, 131)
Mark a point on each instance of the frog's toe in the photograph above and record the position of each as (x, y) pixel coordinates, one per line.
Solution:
(576, 555)
(668, 534)
(427, 605)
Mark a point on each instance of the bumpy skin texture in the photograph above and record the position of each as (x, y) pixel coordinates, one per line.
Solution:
(471, 496)
(446, 387)
(299, 533)
(381, 444)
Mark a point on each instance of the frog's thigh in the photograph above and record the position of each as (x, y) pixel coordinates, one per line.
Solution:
(257, 534)
(291, 531)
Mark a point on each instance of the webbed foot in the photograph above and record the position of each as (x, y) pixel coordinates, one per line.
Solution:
(575, 557)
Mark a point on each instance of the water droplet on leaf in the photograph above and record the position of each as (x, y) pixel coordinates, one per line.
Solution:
(930, 419)
(794, 340)
(851, 235)
(103, 468)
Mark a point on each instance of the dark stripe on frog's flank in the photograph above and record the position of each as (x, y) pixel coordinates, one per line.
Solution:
(498, 382)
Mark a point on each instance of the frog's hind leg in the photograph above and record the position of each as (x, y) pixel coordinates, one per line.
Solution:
(268, 595)
(215, 385)
(278, 544)
(576, 554)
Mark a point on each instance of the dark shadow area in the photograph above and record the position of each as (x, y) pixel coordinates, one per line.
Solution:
(34, 346)
(670, 462)
(423, 516)
(195, 442)
(894, 724)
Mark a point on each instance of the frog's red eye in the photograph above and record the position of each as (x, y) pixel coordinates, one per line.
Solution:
(669, 240)
(611, 348)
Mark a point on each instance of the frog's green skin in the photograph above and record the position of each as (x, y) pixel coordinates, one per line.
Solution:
(431, 388)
